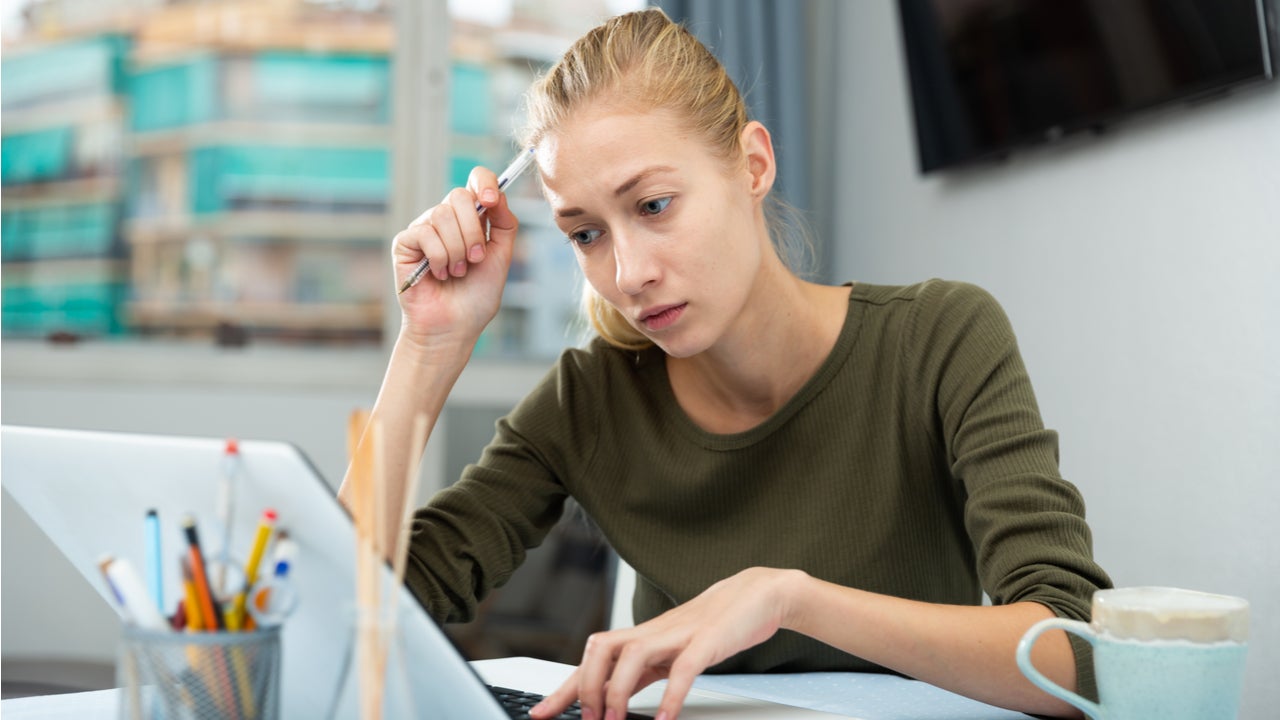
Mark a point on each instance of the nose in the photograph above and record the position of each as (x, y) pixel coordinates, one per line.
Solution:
(635, 265)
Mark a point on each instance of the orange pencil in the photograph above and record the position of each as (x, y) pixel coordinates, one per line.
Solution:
(209, 611)
(191, 598)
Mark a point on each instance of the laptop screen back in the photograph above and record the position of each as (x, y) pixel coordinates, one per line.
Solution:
(90, 491)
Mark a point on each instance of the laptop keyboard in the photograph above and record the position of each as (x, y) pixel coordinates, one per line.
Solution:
(518, 702)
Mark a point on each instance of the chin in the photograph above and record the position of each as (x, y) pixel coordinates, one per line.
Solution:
(677, 346)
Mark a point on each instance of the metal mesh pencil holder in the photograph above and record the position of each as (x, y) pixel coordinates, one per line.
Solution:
(199, 676)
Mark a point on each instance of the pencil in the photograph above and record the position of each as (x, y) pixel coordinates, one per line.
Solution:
(237, 619)
(191, 599)
(209, 612)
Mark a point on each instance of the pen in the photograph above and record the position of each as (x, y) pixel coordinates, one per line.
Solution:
(154, 582)
(508, 176)
(226, 505)
(286, 551)
(208, 609)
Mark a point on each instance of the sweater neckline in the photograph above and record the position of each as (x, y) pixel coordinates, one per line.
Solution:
(830, 367)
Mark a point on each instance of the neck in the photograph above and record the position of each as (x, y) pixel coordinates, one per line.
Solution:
(781, 339)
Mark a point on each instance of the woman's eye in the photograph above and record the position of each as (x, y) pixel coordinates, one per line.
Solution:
(654, 206)
(584, 237)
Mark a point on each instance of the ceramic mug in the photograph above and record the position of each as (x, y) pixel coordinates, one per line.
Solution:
(1158, 653)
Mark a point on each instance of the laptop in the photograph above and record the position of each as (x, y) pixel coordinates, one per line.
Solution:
(90, 491)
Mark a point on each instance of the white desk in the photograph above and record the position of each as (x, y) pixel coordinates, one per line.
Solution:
(872, 697)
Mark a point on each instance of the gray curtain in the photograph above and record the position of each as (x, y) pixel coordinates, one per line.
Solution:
(762, 44)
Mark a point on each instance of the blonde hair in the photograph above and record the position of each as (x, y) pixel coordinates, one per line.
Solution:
(643, 59)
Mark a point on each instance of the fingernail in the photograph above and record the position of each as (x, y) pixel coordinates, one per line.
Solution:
(537, 709)
(610, 714)
(476, 253)
(459, 268)
(662, 715)
(588, 714)
(490, 195)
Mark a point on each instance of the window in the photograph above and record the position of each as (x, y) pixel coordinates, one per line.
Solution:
(223, 170)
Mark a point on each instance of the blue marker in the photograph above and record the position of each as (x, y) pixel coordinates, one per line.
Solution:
(155, 582)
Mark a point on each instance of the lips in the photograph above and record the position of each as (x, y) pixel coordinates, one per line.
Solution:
(661, 316)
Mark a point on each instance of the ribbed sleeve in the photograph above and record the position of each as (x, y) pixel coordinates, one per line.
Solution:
(1026, 523)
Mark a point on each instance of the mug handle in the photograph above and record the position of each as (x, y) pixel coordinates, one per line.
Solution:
(1075, 627)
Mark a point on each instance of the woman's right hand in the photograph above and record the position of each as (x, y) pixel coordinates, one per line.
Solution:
(460, 292)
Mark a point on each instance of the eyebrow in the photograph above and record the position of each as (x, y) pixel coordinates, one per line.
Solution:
(621, 189)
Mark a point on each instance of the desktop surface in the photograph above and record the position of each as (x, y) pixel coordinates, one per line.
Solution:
(860, 695)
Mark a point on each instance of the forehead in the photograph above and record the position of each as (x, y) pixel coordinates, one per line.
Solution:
(603, 146)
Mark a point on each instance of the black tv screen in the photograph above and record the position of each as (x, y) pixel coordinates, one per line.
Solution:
(988, 76)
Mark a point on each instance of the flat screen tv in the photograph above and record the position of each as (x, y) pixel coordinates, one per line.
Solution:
(990, 76)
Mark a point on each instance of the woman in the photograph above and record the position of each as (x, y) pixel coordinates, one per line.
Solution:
(804, 477)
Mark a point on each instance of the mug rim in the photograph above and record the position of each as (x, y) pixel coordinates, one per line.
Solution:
(1170, 613)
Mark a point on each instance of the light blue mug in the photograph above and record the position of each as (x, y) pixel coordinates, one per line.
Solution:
(1158, 654)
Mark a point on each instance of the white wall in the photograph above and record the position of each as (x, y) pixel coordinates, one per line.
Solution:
(1141, 270)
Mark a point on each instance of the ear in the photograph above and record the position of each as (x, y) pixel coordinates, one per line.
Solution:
(757, 146)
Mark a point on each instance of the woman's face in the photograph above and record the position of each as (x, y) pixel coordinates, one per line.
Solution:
(663, 230)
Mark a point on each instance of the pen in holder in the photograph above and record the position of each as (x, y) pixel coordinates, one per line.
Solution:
(200, 676)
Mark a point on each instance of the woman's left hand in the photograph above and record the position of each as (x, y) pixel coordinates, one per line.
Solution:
(734, 614)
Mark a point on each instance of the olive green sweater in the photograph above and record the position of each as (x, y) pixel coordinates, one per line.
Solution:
(914, 463)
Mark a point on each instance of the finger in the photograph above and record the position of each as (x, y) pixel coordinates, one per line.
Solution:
(501, 219)
(421, 240)
(484, 184)
(426, 237)
(558, 701)
(649, 677)
(633, 662)
(406, 247)
(597, 665)
(684, 671)
(415, 243)
(502, 234)
(502, 222)
(464, 230)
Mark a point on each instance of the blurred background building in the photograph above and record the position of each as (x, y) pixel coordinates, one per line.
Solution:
(221, 169)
